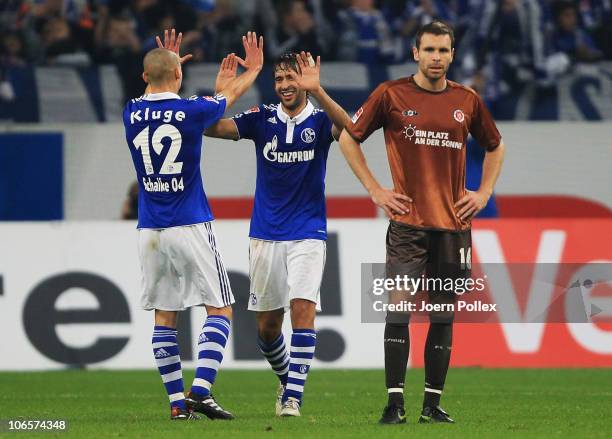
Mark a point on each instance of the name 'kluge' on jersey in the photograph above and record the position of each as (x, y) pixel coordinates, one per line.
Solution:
(164, 133)
(291, 160)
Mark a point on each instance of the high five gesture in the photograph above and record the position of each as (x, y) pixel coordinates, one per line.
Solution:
(253, 52)
(227, 72)
(172, 42)
(309, 79)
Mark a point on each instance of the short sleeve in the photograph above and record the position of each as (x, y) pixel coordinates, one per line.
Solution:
(126, 113)
(369, 117)
(212, 108)
(327, 127)
(483, 127)
(247, 122)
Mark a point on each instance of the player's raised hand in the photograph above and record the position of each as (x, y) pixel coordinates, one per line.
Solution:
(471, 204)
(253, 52)
(309, 79)
(227, 72)
(391, 202)
(173, 42)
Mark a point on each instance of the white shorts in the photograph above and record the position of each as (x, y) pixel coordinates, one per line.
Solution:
(181, 267)
(284, 270)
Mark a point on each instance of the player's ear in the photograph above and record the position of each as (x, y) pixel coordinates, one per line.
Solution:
(415, 53)
(145, 77)
(452, 54)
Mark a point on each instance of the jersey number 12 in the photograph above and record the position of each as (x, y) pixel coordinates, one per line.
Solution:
(170, 166)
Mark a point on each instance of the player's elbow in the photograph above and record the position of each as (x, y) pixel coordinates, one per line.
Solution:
(346, 141)
(343, 138)
(230, 98)
(500, 150)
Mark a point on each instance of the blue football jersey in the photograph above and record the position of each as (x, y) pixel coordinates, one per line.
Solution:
(291, 159)
(164, 134)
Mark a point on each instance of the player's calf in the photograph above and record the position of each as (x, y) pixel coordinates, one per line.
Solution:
(211, 347)
(167, 358)
(303, 343)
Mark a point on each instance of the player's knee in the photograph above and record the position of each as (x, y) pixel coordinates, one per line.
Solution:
(269, 329)
(302, 313)
(225, 311)
(166, 318)
(303, 306)
(269, 333)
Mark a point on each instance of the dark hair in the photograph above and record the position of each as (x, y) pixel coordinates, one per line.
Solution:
(285, 7)
(561, 7)
(435, 28)
(286, 61)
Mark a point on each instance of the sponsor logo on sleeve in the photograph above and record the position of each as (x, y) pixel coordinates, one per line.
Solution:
(357, 115)
(216, 98)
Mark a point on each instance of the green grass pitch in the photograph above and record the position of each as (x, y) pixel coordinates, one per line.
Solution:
(539, 403)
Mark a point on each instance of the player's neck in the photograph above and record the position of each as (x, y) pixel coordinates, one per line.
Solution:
(296, 111)
(425, 83)
(162, 89)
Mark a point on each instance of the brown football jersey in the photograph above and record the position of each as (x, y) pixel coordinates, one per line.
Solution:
(426, 134)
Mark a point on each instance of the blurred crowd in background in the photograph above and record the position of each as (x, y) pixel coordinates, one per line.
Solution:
(498, 43)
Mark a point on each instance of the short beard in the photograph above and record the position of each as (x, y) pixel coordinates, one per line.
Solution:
(297, 103)
(434, 78)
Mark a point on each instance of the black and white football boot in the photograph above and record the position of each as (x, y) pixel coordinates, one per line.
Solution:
(207, 406)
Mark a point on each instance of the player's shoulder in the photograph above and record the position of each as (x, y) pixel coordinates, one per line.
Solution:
(460, 88)
(132, 106)
(256, 112)
(269, 109)
(319, 116)
(266, 111)
(202, 99)
(393, 84)
(133, 102)
(318, 113)
(136, 100)
(263, 109)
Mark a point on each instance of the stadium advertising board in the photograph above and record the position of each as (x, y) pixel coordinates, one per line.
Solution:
(69, 295)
